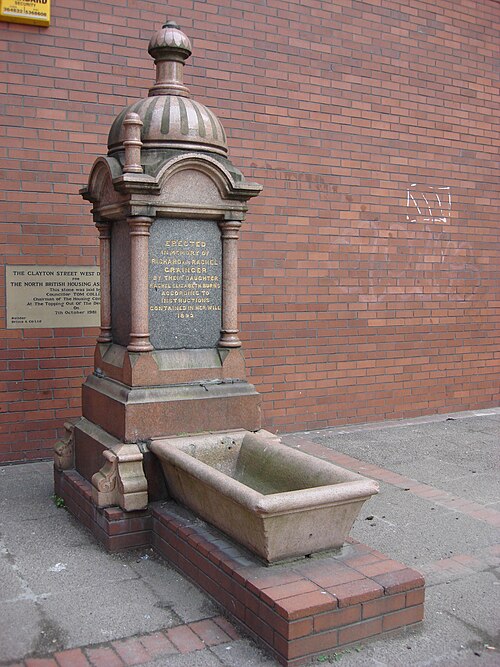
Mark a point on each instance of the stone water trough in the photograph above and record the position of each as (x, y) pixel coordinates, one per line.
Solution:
(278, 502)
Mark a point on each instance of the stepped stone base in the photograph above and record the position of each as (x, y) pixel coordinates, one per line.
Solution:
(296, 610)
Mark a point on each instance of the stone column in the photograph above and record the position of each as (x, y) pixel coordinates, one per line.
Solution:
(229, 331)
(139, 279)
(105, 280)
(132, 144)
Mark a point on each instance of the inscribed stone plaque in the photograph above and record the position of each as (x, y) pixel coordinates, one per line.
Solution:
(52, 296)
(185, 276)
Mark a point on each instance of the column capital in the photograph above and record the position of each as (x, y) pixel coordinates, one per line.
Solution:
(104, 229)
(139, 225)
(235, 215)
(230, 229)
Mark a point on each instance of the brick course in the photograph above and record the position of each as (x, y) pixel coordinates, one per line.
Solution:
(365, 292)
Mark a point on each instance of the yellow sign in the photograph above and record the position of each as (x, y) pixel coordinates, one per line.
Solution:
(36, 12)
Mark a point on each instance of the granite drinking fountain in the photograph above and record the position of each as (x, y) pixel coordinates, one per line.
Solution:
(169, 451)
(278, 502)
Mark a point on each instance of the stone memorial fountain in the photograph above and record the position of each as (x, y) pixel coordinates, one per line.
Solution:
(168, 413)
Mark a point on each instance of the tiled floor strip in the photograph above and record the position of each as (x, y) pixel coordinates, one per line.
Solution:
(141, 649)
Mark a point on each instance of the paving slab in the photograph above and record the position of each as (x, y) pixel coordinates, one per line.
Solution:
(57, 569)
(102, 613)
(12, 585)
(415, 531)
(20, 628)
(199, 659)
(471, 443)
(174, 592)
(480, 487)
(242, 652)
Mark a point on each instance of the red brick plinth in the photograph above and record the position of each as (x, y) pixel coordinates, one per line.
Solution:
(115, 529)
(297, 610)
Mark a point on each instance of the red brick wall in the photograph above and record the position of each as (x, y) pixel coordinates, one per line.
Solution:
(362, 296)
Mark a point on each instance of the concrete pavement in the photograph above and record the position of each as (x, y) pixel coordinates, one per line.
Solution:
(65, 602)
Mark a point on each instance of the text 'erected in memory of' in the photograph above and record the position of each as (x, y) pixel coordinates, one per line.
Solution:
(185, 276)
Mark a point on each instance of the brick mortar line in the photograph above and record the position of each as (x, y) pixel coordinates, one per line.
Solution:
(420, 489)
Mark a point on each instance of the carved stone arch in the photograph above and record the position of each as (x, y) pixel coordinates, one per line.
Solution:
(100, 189)
(195, 179)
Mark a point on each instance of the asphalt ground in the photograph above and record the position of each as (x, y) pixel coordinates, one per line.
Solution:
(65, 602)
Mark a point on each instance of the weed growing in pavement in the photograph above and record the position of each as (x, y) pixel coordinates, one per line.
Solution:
(337, 655)
(58, 501)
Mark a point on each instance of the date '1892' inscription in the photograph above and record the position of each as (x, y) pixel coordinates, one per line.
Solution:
(185, 275)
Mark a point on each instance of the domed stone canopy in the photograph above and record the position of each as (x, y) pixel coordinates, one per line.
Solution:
(172, 121)
(170, 118)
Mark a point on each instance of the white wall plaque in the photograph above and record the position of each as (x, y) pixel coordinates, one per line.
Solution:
(40, 297)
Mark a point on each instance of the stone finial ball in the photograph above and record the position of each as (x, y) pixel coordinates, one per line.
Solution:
(169, 40)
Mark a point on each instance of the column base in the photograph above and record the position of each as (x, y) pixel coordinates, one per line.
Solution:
(131, 414)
